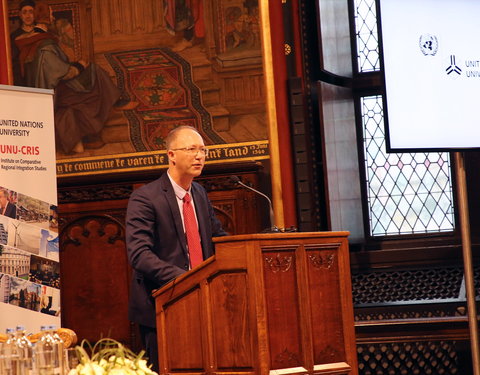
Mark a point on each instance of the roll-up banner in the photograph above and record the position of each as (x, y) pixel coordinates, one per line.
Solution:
(29, 253)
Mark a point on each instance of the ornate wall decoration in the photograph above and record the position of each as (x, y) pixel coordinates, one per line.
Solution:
(421, 357)
(322, 260)
(94, 193)
(383, 286)
(286, 357)
(279, 263)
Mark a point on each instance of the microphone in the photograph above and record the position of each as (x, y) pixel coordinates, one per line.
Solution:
(273, 227)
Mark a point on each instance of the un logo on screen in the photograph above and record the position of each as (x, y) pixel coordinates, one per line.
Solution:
(428, 44)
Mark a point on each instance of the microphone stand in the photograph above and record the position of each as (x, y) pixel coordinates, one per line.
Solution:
(273, 228)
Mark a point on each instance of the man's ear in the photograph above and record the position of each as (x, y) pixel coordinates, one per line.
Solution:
(171, 156)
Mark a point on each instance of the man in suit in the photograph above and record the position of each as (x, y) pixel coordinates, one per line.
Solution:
(160, 243)
(6, 207)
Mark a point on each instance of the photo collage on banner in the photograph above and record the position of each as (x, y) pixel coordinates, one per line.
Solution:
(29, 251)
(29, 264)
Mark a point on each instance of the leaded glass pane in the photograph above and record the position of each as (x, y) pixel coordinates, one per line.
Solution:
(407, 193)
(366, 36)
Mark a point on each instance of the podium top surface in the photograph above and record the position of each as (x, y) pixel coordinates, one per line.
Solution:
(280, 236)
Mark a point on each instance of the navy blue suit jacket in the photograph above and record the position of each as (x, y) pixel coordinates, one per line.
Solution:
(156, 241)
(11, 210)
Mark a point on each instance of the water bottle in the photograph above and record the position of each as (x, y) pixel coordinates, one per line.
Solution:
(46, 359)
(59, 350)
(9, 354)
(25, 352)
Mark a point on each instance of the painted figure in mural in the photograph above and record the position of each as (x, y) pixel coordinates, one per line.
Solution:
(185, 18)
(242, 25)
(27, 21)
(162, 234)
(66, 38)
(84, 93)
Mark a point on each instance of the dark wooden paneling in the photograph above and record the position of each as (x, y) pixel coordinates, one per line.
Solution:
(229, 292)
(282, 302)
(258, 283)
(183, 322)
(322, 269)
(95, 278)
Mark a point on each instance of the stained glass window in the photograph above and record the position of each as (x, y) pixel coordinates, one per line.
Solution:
(407, 193)
(367, 36)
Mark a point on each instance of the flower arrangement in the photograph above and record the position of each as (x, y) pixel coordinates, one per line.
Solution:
(109, 357)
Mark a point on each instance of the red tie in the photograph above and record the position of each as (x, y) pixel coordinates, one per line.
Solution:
(191, 229)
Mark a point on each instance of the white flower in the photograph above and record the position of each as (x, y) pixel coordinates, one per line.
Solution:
(103, 363)
(143, 367)
(121, 371)
(92, 368)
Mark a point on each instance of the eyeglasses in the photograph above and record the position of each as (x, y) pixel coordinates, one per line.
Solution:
(193, 150)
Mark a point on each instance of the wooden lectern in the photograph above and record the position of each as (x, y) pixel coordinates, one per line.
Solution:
(276, 303)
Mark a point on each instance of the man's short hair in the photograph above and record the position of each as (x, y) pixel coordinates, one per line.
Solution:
(172, 136)
(4, 192)
(26, 3)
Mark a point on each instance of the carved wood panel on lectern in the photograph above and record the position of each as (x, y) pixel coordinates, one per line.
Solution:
(322, 269)
(229, 291)
(280, 275)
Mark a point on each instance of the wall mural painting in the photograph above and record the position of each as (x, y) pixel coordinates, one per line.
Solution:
(125, 73)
